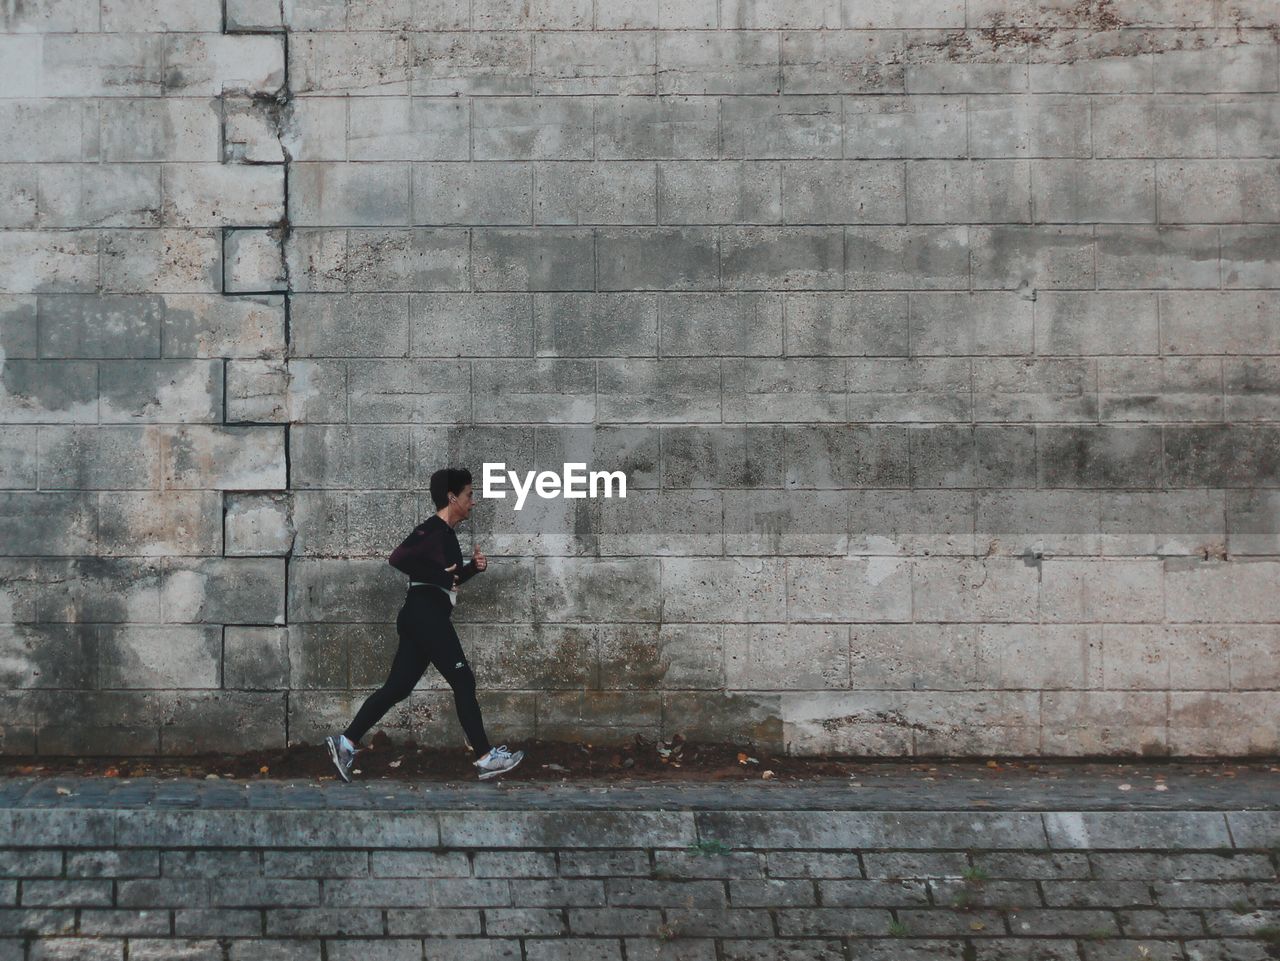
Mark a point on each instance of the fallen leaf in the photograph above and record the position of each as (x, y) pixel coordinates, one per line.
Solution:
(1162, 787)
(768, 775)
(1126, 787)
(264, 769)
(64, 791)
(111, 772)
(976, 926)
(555, 767)
(211, 777)
(396, 763)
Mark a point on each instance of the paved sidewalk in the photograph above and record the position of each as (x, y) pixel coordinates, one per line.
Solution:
(899, 865)
(953, 785)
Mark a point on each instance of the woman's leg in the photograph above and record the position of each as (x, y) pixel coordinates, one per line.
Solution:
(406, 670)
(447, 656)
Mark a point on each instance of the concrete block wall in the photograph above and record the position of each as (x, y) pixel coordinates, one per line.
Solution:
(939, 342)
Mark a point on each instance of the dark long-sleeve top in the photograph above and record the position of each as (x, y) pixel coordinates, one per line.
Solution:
(428, 550)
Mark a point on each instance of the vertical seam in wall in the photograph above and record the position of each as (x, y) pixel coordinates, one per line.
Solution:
(1219, 237)
(98, 257)
(1040, 731)
(844, 134)
(1094, 234)
(660, 461)
(659, 305)
(222, 143)
(844, 257)
(720, 128)
(906, 192)
(973, 398)
(908, 295)
(778, 74)
(1159, 332)
(968, 246)
(968, 130)
(1035, 456)
(782, 197)
(782, 313)
(1031, 199)
(98, 237)
(1088, 109)
(718, 233)
(346, 393)
(1155, 188)
(1097, 392)
(1222, 402)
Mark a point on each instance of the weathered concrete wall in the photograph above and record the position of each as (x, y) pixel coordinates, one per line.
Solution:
(939, 342)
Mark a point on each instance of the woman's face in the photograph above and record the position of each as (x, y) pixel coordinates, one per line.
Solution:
(463, 502)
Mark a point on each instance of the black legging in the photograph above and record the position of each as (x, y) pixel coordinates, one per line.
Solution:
(426, 637)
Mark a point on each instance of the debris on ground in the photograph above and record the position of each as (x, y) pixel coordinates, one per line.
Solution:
(641, 759)
(671, 752)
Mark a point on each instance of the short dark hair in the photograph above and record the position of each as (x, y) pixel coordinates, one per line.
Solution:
(446, 481)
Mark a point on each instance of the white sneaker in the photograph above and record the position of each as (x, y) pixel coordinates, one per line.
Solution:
(343, 754)
(498, 761)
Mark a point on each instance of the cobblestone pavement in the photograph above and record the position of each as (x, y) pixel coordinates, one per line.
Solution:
(899, 865)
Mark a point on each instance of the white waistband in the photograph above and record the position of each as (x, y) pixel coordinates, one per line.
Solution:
(453, 595)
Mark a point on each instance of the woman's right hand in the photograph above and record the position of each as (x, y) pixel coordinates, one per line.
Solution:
(455, 576)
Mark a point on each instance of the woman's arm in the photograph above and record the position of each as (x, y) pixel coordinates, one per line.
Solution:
(465, 571)
(469, 570)
(421, 555)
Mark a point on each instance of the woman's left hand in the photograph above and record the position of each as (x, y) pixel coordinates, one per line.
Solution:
(480, 560)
